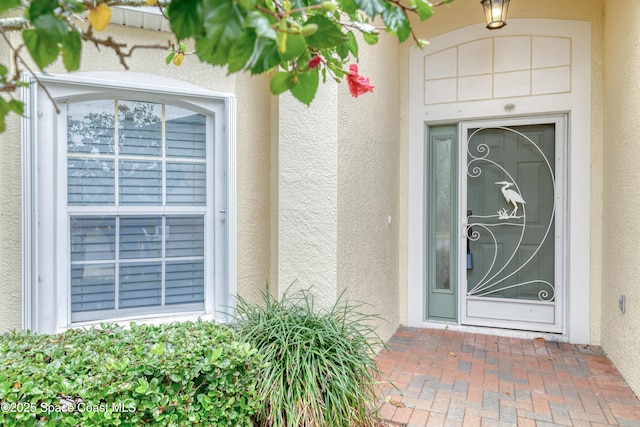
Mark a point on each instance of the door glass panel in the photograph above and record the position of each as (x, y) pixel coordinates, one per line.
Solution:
(511, 199)
(442, 190)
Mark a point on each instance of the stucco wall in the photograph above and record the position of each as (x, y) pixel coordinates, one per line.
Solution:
(459, 14)
(368, 159)
(621, 270)
(253, 163)
(337, 191)
(253, 147)
(307, 195)
(10, 235)
(10, 220)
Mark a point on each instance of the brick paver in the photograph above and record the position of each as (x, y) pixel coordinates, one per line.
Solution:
(438, 377)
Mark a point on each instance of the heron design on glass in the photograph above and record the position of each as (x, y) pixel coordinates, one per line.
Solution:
(512, 197)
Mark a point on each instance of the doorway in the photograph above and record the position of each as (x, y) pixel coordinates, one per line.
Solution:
(494, 224)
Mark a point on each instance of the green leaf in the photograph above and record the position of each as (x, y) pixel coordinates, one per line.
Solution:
(342, 51)
(261, 24)
(294, 47)
(241, 51)
(370, 38)
(52, 26)
(4, 386)
(215, 354)
(264, 57)
(43, 49)
(169, 57)
(41, 7)
(16, 106)
(306, 86)
(186, 18)
(280, 82)
(425, 9)
(157, 349)
(396, 21)
(329, 34)
(371, 7)
(348, 6)
(8, 4)
(71, 49)
(352, 44)
(143, 386)
(248, 4)
(223, 28)
(7, 107)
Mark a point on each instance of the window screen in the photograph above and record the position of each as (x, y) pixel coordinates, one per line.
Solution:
(137, 196)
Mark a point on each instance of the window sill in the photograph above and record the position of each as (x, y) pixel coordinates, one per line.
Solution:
(148, 320)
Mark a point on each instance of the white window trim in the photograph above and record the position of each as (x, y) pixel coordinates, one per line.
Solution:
(45, 297)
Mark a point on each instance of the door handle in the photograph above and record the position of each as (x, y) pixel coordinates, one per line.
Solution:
(469, 233)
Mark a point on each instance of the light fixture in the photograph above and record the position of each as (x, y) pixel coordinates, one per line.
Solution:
(495, 12)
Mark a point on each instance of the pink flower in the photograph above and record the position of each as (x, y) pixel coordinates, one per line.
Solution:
(358, 85)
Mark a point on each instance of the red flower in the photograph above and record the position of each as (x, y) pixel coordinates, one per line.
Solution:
(314, 62)
(358, 85)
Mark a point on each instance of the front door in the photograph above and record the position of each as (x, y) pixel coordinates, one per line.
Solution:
(510, 190)
(494, 224)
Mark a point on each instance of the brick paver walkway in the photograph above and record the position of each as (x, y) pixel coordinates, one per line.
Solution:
(446, 378)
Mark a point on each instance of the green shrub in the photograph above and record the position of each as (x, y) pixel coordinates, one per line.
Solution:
(322, 369)
(186, 374)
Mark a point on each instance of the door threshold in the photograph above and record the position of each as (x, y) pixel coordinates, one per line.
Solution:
(509, 333)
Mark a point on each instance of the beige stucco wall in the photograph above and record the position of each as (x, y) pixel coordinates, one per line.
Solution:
(10, 235)
(621, 270)
(459, 14)
(337, 191)
(368, 159)
(307, 195)
(253, 164)
(10, 219)
(253, 147)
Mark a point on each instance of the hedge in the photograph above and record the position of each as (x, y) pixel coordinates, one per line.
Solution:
(186, 374)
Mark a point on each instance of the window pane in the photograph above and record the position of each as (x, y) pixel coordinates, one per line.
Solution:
(151, 260)
(186, 184)
(90, 181)
(92, 287)
(186, 133)
(140, 183)
(140, 284)
(184, 282)
(443, 210)
(140, 237)
(90, 127)
(140, 128)
(185, 236)
(93, 238)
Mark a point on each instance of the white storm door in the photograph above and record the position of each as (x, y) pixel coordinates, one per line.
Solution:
(511, 246)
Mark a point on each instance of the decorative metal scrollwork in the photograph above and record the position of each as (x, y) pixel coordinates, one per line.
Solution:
(498, 278)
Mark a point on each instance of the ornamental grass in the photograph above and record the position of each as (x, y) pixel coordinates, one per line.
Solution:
(321, 363)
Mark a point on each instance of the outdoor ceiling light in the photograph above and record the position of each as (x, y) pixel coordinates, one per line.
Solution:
(495, 12)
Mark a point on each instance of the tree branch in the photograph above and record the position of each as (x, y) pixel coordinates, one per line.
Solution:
(12, 86)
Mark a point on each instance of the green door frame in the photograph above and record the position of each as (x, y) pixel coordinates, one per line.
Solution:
(441, 149)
